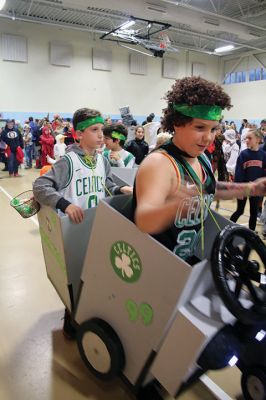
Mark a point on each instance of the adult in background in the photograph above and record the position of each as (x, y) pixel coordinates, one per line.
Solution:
(13, 138)
(138, 147)
(3, 157)
(243, 125)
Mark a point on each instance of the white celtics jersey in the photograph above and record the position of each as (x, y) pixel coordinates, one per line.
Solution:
(85, 186)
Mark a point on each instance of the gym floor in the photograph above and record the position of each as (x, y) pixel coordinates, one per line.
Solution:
(36, 361)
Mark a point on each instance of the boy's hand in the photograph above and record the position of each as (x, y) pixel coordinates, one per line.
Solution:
(114, 155)
(75, 213)
(126, 189)
(258, 187)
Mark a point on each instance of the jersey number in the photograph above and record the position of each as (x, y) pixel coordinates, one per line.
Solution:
(93, 201)
(186, 241)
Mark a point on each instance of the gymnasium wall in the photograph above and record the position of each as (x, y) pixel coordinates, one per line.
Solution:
(36, 87)
(248, 97)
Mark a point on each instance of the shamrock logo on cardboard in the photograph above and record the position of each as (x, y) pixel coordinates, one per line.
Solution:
(125, 261)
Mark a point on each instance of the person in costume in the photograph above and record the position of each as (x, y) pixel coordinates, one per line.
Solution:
(175, 185)
(115, 136)
(59, 147)
(231, 152)
(12, 137)
(82, 177)
(79, 180)
(47, 143)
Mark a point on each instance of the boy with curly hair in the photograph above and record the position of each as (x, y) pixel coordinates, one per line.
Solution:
(175, 185)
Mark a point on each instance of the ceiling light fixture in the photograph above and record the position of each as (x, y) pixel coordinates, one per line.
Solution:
(2, 3)
(224, 48)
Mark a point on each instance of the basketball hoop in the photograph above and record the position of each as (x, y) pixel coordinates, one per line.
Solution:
(164, 40)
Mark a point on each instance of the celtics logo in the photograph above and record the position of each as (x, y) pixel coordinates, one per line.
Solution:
(125, 261)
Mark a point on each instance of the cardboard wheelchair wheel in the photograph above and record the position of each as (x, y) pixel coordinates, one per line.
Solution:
(234, 274)
(253, 383)
(100, 349)
(25, 204)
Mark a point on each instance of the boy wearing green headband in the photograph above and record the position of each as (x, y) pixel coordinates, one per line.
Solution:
(115, 136)
(79, 179)
(82, 177)
(175, 186)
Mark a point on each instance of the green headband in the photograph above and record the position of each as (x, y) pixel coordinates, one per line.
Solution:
(117, 135)
(89, 122)
(211, 113)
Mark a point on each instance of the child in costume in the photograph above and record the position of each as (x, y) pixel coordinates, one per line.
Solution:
(231, 151)
(62, 187)
(79, 179)
(115, 136)
(60, 146)
(28, 145)
(47, 144)
(251, 165)
(175, 185)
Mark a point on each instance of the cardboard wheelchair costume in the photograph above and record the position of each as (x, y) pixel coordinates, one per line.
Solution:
(146, 315)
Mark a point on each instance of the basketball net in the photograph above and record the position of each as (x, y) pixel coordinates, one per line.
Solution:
(164, 40)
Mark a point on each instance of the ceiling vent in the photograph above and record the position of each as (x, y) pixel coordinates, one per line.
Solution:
(54, 1)
(156, 8)
(211, 21)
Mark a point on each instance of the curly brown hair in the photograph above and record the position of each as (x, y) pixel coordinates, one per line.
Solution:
(192, 90)
(84, 113)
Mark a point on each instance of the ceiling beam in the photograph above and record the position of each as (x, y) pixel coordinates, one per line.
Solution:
(247, 53)
(221, 16)
(213, 5)
(233, 67)
(215, 38)
(259, 61)
(28, 12)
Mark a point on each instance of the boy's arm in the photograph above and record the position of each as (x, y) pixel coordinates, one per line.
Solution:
(158, 200)
(47, 187)
(231, 190)
(111, 187)
(131, 163)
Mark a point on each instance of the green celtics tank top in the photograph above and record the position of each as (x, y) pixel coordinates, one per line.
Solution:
(183, 235)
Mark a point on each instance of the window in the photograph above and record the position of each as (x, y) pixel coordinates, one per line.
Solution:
(258, 74)
(240, 76)
(252, 75)
(227, 79)
(233, 77)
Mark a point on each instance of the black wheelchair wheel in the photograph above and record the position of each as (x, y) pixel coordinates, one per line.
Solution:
(236, 275)
(253, 383)
(100, 349)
